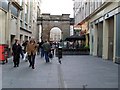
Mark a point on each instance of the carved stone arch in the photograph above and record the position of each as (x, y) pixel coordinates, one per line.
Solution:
(55, 26)
(48, 22)
(55, 35)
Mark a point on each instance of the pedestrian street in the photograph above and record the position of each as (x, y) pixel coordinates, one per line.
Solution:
(74, 72)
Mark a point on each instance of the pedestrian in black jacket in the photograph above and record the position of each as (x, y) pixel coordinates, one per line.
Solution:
(25, 45)
(17, 49)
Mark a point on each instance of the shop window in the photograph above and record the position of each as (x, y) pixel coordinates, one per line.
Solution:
(118, 37)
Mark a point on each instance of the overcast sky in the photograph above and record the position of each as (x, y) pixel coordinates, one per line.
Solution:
(57, 7)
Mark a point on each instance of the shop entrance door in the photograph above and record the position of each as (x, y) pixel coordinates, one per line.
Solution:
(110, 38)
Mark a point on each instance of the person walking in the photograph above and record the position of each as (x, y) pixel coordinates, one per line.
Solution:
(17, 50)
(41, 49)
(53, 48)
(24, 50)
(47, 50)
(60, 51)
(38, 49)
(31, 50)
(24, 45)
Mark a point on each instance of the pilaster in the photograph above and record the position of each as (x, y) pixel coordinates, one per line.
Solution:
(8, 25)
(91, 39)
(23, 15)
(95, 44)
(114, 48)
(18, 26)
(105, 40)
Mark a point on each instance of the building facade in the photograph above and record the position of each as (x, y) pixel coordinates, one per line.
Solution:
(19, 20)
(102, 18)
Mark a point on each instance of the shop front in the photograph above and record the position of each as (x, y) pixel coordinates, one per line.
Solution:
(117, 59)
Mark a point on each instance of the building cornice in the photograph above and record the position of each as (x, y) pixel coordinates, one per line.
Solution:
(25, 30)
(17, 5)
(51, 19)
(95, 12)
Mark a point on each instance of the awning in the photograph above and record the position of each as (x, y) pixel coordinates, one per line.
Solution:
(75, 37)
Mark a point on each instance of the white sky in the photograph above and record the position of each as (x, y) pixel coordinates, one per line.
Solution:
(57, 7)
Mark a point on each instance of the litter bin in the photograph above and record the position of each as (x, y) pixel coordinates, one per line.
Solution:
(3, 53)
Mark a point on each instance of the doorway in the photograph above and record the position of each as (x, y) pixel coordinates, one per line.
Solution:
(110, 38)
(100, 39)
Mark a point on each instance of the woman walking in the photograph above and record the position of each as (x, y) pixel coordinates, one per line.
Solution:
(31, 51)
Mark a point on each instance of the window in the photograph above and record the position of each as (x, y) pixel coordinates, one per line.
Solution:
(25, 9)
(14, 10)
(4, 4)
(20, 15)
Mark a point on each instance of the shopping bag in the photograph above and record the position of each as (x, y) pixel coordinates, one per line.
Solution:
(50, 55)
(25, 55)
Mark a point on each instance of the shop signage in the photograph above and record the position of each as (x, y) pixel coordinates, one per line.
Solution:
(112, 13)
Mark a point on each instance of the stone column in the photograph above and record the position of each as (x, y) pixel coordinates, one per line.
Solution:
(114, 49)
(18, 26)
(8, 25)
(23, 14)
(91, 39)
(31, 18)
(95, 40)
(105, 40)
(28, 18)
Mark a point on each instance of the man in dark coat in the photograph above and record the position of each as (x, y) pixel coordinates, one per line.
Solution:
(17, 49)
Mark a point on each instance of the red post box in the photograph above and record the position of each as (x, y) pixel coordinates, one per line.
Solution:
(3, 53)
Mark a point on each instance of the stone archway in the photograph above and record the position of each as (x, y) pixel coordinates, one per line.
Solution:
(48, 22)
(55, 34)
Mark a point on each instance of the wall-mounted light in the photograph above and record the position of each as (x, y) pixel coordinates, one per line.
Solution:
(107, 15)
(12, 17)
